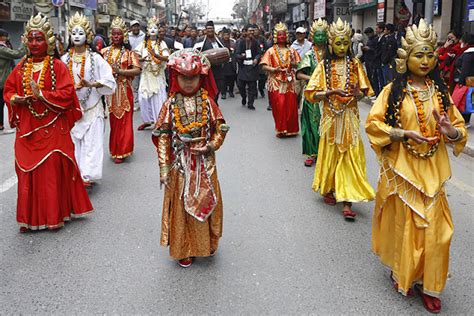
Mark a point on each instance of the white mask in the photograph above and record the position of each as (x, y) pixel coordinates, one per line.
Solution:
(153, 30)
(78, 35)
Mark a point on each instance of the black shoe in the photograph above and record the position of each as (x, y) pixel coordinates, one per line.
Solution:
(262, 93)
(269, 108)
(231, 94)
(251, 107)
(223, 97)
(244, 101)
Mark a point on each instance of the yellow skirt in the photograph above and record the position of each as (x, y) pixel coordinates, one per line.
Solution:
(343, 173)
(416, 254)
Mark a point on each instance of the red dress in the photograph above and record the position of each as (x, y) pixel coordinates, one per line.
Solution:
(121, 105)
(281, 90)
(50, 187)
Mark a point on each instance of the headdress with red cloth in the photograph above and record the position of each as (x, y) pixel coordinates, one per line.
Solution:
(190, 62)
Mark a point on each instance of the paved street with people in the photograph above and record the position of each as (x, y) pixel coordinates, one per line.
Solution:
(283, 250)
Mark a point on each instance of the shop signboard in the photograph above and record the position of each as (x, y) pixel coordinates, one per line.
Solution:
(299, 13)
(381, 11)
(470, 10)
(21, 11)
(342, 10)
(437, 7)
(319, 9)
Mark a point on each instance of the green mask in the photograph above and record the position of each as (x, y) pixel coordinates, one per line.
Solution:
(320, 38)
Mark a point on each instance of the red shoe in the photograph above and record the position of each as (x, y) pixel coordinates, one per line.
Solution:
(87, 184)
(432, 304)
(23, 229)
(185, 263)
(118, 160)
(143, 126)
(329, 199)
(309, 162)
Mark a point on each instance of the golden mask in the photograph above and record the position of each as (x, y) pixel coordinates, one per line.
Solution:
(118, 23)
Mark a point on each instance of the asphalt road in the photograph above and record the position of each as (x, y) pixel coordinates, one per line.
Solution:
(283, 250)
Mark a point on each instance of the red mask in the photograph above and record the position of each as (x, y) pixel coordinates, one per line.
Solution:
(37, 44)
(117, 37)
(189, 65)
(281, 37)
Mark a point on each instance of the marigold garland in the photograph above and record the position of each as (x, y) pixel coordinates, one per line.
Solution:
(335, 81)
(151, 51)
(28, 75)
(83, 64)
(287, 60)
(189, 127)
(420, 111)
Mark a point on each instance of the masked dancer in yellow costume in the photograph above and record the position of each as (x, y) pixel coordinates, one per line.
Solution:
(408, 127)
(340, 81)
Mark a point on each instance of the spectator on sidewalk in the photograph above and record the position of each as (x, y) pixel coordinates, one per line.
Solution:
(370, 50)
(7, 56)
(389, 52)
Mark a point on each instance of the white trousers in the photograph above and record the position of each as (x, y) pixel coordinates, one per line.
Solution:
(150, 106)
(89, 150)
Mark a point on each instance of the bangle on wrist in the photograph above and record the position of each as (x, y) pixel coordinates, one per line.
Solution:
(455, 139)
(397, 135)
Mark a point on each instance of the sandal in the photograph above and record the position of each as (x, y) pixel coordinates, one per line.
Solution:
(118, 160)
(185, 263)
(143, 126)
(432, 304)
(309, 161)
(348, 213)
(329, 199)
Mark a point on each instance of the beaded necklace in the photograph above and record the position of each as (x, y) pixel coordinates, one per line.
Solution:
(421, 116)
(183, 123)
(27, 69)
(283, 61)
(332, 82)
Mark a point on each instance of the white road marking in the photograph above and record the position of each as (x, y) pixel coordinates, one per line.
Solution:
(462, 186)
(8, 184)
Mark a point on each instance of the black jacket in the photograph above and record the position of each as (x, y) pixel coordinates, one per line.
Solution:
(389, 50)
(464, 67)
(248, 72)
(378, 52)
(370, 54)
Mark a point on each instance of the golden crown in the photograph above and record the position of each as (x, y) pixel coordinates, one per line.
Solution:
(423, 34)
(153, 21)
(280, 27)
(41, 23)
(339, 28)
(118, 23)
(78, 19)
(318, 25)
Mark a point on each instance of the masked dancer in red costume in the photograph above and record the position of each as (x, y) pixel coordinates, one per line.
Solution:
(43, 106)
(189, 129)
(280, 61)
(126, 65)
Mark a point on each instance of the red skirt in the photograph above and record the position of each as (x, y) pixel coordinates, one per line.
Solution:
(51, 194)
(121, 132)
(285, 112)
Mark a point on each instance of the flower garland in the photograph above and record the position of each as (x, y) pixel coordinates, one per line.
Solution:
(115, 63)
(332, 82)
(183, 124)
(283, 61)
(28, 76)
(316, 55)
(83, 63)
(434, 145)
(151, 51)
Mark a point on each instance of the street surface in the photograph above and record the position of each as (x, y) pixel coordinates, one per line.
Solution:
(283, 250)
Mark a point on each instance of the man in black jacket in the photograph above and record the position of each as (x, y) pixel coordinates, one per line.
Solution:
(389, 52)
(229, 67)
(210, 41)
(248, 55)
(370, 50)
(380, 36)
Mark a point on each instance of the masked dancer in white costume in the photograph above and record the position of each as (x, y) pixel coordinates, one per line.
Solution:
(93, 78)
(153, 54)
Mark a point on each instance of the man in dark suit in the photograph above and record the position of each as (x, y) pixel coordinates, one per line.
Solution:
(389, 52)
(210, 41)
(229, 67)
(190, 41)
(248, 54)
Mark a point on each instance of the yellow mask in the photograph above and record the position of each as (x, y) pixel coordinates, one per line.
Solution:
(422, 60)
(340, 45)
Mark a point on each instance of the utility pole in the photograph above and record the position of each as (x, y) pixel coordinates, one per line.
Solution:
(429, 11)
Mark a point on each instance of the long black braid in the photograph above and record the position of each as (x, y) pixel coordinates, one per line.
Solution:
(397, 94)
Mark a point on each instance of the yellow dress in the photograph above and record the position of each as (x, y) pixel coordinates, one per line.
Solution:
(340, 167)
(412, 225)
